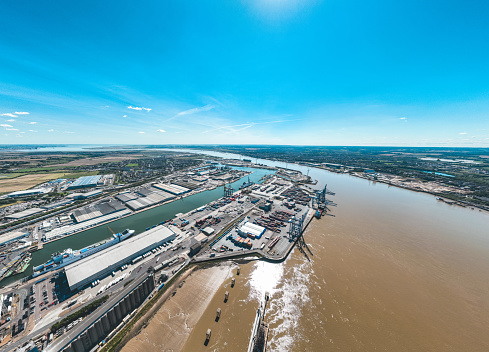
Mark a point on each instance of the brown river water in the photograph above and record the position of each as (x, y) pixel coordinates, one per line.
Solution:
(391, 270)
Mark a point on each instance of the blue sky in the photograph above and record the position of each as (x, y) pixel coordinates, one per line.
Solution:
(337, 72)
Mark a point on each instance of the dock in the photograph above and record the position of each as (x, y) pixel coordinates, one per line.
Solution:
(259, 332)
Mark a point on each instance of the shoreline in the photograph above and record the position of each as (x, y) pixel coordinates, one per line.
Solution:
(175, 308)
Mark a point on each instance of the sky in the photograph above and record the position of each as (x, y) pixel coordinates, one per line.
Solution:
(294, 72)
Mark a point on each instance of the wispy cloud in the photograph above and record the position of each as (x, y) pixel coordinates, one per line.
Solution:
(68, 132)
(51, 130)
(141, 132)
(21, 113)
(4, 125)
(403, 118)
(32, 131)
(8, 114)
(12, 129)
(32, 123)
(138, 108)
(193, 111)
(11, 120)
(162, 131)
(124, 116)
(240, 127)
(463, 133)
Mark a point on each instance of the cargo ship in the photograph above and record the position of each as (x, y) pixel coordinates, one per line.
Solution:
(246, 184)
(69, 256)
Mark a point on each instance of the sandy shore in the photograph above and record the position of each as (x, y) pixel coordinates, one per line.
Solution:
(171, 325)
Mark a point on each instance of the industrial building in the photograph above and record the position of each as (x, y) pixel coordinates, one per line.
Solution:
(85, 182)
(145, 197)
(249, 228)
(29, 192)
(12, 236)
(69, 229)
(104, 262)
(97, 210)
(173, 189)
(85, 195)
(24, 214)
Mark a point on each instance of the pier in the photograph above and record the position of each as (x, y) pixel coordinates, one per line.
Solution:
(259, 332)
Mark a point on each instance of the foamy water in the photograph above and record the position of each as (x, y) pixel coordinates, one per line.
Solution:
(289, 293)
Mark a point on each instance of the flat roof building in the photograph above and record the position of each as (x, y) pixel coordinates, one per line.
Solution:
(24, 214)
(85, 182)
(173, 189)
(12, 236)
(29, 192)
(104, 262)
(249, 228)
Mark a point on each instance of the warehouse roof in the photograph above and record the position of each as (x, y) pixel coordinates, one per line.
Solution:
(25, 213)
(255, 230)
(12, 236)
(96, 263)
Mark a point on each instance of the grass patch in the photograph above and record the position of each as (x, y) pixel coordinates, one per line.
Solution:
(132, 165)
(11, 175)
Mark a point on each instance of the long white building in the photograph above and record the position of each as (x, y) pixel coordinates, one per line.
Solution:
(104, 262)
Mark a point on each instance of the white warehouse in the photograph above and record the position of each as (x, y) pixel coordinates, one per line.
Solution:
(104, 262)
(253, 229)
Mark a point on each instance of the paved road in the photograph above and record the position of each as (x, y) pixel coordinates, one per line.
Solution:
(138, 275)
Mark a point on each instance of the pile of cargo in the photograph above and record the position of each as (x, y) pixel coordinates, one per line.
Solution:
(296, 195)
(274, 221)
(207, 221)
(241, 242)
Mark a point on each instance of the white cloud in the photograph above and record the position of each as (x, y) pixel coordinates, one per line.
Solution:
(140, 132)
(162, 131)
(138, 108)
(403, 118)
(32, 131)
(32, 123)
(22, 113)
(463, 133)
(194, 111)
(124, 116)
(12, 129)
(21, 132)
(51, 130)
(4, 125)
(8, 114)
(11, 120)
(68, 132)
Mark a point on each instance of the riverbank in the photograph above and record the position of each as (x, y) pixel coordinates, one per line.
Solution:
(169, 324)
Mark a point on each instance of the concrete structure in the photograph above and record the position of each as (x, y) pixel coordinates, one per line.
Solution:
(12, 236)
(256, 230)
(29, 192)
(104, 262)
(24, 214)
(110, 321)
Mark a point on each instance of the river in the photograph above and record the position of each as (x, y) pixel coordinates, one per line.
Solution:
(392, 270)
